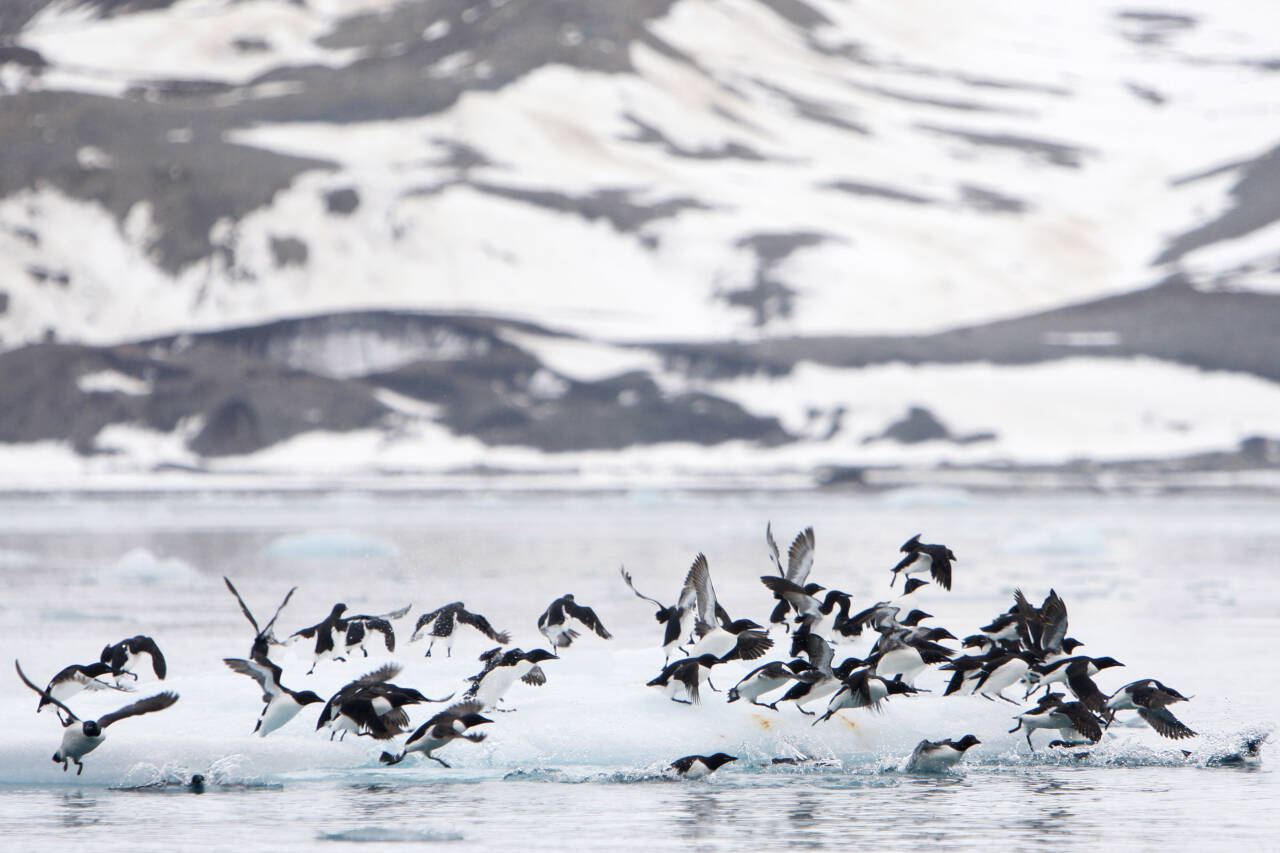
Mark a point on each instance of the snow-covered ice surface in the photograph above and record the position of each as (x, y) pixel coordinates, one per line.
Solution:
(1178, 588)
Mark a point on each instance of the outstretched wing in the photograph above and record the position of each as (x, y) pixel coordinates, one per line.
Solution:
(1084, 687)
(536, 676)
(140, 645)
(158, 702)
(376, 623)
(1053, 616)
(382, 674)
(699, 578)
(1030, 629)
(773, 548)
(800, 557)
(626, 576)
(481, 624)
(1084, 720)
(244, 608)
(426, 619)
(266, 676)
(44, 694)
(587, 617)
(1165, 723)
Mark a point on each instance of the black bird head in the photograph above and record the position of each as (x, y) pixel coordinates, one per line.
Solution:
(915, 617)
(1106, 663)
(913, 584)
(966, 742)
(337, 611)
(719, 760)
(737, 626)
(539, 655)
(470, 720)
(306, 697)
(935, 634)
(976, 641)
(898, 686)
(708, 660)
(91, 728)
(1070, 644)
(813, 588)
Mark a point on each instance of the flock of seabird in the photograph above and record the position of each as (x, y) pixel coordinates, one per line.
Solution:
(1026, 647)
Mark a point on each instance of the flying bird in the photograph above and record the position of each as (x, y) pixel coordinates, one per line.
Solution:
(81, 737)
(122, 656)
(679, 618)
(280, 703)
(557, 622)
(933, 560)
(442, 621)
(450, 724)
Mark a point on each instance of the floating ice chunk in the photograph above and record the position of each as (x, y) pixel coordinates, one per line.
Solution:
(141, 566)
(330, 545)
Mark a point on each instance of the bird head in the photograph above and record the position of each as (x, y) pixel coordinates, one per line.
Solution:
(539, 655)
(91, 728)
(719, 760)
(915, 617)
(1106, 663)
(307, 697)
(966, 742)
(708, 660)
(470, 720)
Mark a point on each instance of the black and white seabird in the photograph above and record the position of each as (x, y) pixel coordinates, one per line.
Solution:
(898, 656)
(999, 673)
(1077, 673)
(371, 706)
(1076, 723)
(557, 623)
(72, 679)
(718, 635)
(325, 633)
(864, 689)
(933, 560)
(683, 679)
(122, 656)
(263, 637)
(281, 703)
(503, 669)
(79, 738)
(441, 622)
(679, 619)
(1042, 630)
(454, 722)
(1150, 699)
(938, 756)
(765, 679)
(789, 588)
(699, 766)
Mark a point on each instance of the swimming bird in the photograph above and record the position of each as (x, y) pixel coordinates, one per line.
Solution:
(263, 638)
(700, 766)
(503, 669)
(686, 676)
(765, 679)
(280, 703)
(72, 679)
(678, 619)
(122, 656)
(1076, 723)
(1150, 699)
(557, 622)
(79, 738)
(933, 560)
(445, 727)
(442, 621)
(938, 756)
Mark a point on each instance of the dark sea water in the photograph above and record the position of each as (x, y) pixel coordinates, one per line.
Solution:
(1183, 589)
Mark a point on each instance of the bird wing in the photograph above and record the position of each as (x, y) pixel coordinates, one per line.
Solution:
(683, 764)
(688, 675)
(1030, 628)
(93, 684)
(536, 676)
(426, 619)
(395, 614)
(266, 630)
(244, 608)
(773, 548)
(781, 586)
(1165, 723)
(1083, 720)
(1084, 687)
(475, 620)
(266, 673)
(141, 644)
(158, 702)
(699, 578)
(800, 557)
(43, 693)
(376, 623)
(587, 617)
(941, 566)
(626, 576)
(381, 675)
(819, 652)
(1053, 616)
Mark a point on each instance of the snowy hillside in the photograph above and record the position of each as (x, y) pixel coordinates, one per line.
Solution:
(604, 237)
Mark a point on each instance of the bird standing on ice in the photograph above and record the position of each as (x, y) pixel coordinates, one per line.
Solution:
(557, 622)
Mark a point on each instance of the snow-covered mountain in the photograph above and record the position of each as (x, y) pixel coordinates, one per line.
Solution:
(659, 238)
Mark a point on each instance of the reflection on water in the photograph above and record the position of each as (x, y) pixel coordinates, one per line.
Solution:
(79, 810)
